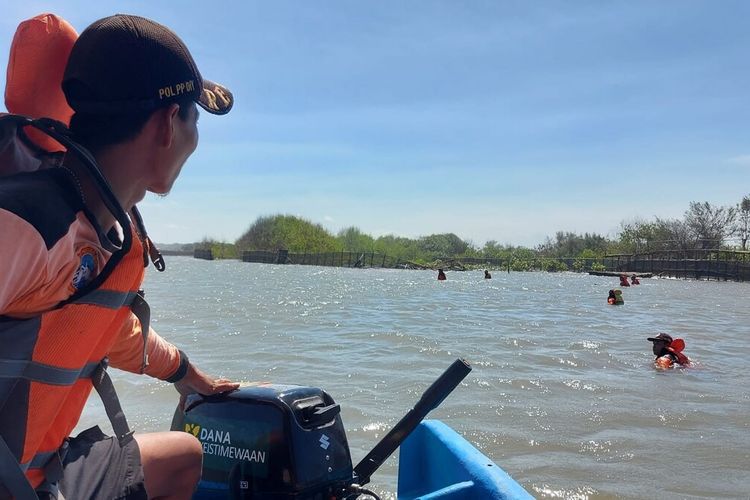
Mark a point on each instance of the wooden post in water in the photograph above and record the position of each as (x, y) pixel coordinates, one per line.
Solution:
(651, 259)
(669, 264)
(726, 267)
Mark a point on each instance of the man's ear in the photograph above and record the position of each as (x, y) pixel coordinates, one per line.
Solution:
(164, 120)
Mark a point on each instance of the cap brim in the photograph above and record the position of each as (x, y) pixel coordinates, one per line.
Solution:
(215, 98)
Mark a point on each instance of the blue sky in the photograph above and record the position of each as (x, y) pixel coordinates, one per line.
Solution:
(494, 120)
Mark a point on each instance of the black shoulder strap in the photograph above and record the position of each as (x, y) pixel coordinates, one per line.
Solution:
(59, 132)
(153, 252)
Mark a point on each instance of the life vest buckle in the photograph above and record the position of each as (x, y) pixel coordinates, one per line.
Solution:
(125, 438)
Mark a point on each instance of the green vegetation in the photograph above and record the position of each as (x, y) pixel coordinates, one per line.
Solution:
(703, 227)
(288, 233)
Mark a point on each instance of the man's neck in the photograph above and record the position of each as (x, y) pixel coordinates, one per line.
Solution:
(115, 166)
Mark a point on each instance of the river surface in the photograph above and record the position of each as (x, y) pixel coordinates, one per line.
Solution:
(563, 394)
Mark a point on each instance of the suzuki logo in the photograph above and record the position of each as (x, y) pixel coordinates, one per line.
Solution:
(325, 442)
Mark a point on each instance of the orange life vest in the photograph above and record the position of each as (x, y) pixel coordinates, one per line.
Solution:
(48, 361)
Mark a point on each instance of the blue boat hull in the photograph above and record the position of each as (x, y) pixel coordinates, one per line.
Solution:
(435, 462)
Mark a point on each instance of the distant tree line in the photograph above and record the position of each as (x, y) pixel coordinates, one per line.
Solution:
(703, 226)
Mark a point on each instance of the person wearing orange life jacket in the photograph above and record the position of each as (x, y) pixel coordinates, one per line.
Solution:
(668, 351)
(70, 276)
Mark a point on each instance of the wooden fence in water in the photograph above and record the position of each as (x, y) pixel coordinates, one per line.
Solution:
(203, 253)
(332, 259)
(696, 264)
(372, 259)
(699, 264)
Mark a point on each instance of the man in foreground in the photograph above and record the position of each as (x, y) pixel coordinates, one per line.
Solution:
(71, 267)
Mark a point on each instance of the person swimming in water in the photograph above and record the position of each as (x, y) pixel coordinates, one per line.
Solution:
(487, 275)
(441, 275)
(634, 280)
(668, 351)
(615, 297)
(624, 280)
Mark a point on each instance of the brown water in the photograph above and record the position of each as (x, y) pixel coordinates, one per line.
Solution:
(563, 394)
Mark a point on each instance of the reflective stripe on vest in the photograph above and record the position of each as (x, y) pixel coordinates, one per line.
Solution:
(107, 298)
(46, 374)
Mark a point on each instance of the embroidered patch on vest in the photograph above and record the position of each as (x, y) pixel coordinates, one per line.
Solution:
(86, 268)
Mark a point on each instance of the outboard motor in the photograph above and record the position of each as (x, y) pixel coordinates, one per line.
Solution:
(275, 442)
(283, 441)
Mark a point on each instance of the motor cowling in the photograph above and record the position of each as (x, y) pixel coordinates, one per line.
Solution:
(268, 442)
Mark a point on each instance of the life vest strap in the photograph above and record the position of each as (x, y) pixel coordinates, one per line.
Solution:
(103, 385)
(679, 357)
(46, 374)
(142, 311)
(12, 477)
(39, 461)
(152, 251)
(110, 299)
